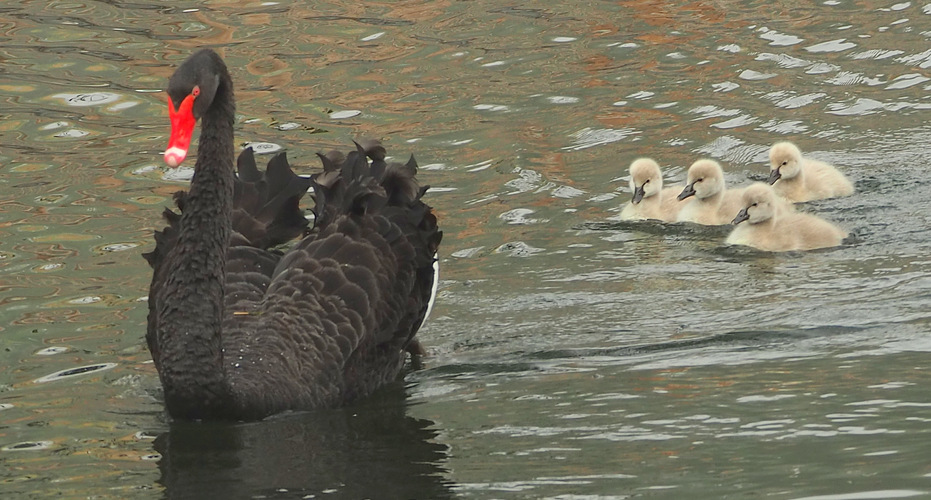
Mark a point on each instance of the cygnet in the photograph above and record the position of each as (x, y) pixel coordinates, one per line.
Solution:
(650, 200)
(799, 179)
(765, 223)
(713, 204)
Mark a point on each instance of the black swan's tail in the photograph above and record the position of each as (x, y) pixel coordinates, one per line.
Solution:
(266, 208)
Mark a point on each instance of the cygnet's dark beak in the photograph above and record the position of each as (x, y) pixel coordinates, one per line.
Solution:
(741, 216)
(774, 176)
(688, 191)
(638, 194)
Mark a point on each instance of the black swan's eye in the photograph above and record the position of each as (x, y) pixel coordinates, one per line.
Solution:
(196, 91)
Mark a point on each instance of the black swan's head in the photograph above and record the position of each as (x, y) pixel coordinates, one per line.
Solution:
(191, 91)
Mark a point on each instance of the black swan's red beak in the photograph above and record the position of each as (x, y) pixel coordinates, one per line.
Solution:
(182, 128)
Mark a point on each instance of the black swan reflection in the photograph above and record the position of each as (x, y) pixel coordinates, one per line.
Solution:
(370, 450)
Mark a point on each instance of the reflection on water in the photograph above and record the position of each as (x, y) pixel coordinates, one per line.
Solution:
(358, 452)
(570, 354)
(74, 372)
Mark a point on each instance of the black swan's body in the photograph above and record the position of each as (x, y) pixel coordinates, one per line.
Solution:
(238, 330)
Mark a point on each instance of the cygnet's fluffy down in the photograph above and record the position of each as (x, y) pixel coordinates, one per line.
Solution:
(765, 223)
(799, 179)
(650, 200)
(712, 204)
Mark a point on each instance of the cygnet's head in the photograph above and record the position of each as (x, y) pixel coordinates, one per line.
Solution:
(645, 179)
(785, 161)
(706, 178)
(759, 204)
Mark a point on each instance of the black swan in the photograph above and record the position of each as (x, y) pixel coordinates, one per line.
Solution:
(241, 331)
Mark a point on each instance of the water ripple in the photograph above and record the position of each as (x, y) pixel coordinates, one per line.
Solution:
(588, 137)
(783, 60)
(779, 39)
(838, 45)
(864, 106)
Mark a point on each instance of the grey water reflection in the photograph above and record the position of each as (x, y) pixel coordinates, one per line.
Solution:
(372, 450)
(570, 354)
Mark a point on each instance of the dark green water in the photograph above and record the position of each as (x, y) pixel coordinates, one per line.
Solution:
(571, 356)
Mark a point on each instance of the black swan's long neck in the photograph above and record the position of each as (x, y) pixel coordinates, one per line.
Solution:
(191, 315)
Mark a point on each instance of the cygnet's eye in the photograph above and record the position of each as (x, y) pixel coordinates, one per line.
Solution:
(754, 204)
(784, 163)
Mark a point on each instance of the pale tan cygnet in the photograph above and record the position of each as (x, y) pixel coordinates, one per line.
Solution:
(712, 204)
(765, 223)
(799, 179)
(650, 200)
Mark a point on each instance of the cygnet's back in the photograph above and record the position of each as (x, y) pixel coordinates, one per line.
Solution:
(711, 203)
(765, 223)
(799, 179)
(650, 200)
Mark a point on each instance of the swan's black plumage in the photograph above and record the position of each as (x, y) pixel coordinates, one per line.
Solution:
(240, 330)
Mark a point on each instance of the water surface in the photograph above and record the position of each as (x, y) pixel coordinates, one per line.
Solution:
(571, 355)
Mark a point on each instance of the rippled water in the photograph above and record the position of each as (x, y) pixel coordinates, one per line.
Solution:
(572, 356)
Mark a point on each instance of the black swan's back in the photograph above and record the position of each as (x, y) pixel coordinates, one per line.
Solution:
(324, 322)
